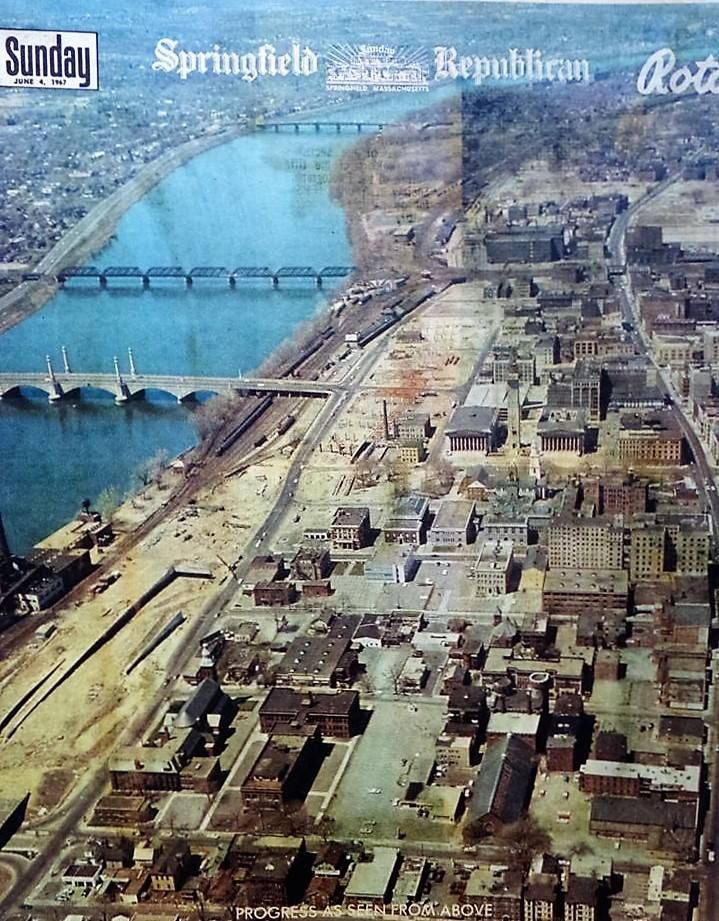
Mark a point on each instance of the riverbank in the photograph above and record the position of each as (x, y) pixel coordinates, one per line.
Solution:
(401, 189)
(93, 326)
(95, 230)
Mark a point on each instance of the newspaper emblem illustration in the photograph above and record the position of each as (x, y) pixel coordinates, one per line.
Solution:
(382, 68)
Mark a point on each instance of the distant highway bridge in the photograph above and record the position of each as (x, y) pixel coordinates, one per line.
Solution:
(61, 384)
(157, 273)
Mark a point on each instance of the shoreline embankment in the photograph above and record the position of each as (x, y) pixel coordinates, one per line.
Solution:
(96, 228)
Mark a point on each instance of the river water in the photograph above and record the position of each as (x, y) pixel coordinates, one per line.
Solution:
(260, 200)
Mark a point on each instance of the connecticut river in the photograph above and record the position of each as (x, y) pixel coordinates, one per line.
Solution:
(261, 200)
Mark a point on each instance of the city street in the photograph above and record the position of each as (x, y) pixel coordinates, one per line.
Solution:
(706, 484)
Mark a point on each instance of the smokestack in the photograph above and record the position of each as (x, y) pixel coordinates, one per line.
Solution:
(4, 546)
(385, 419)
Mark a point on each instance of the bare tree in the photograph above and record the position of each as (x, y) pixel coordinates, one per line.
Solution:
(150, 470)
(213, 414)
(143, 471)
(108, 502)
(439, 478)
(395, 674)
(526, 838)
(159, 463)
(325, 828)
(367, 471)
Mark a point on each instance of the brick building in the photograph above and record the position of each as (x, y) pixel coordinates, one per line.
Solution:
(288, 711)
(350, 529)
(650, 439)
(409, 521)
(319, 661)
(591, 543)
(282, 771)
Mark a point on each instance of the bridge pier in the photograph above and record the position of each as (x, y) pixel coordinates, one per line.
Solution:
(56, 392)
(122, 391)
(102, 281)
(275, 281)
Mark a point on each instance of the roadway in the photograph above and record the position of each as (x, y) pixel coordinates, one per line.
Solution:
(57, 828)
(630, 315)
(177, 386)
(707, 487)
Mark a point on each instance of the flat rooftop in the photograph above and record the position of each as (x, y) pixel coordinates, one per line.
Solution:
(487, 395)
(277, 758)
(410, 508)
(350, 516)
(495, 554)
(319, 655)
(372, 880)
(599, 581)
(687, 778)
(658, 422)
(562, 421)
(453, 514)
(472, 420)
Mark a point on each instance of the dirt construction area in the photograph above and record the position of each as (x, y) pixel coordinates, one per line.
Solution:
(49, 743)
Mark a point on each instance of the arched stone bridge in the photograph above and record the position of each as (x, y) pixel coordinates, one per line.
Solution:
(60, 384)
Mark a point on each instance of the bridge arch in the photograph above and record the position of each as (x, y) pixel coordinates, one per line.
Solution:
(180, 394)
(198, 395)
(48, 390)
(88, 389)
(20, 390)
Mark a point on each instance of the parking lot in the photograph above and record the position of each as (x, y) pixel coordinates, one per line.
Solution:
(563, 810)
(399, 739)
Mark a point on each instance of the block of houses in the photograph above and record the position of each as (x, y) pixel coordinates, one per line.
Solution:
(318, 661)
(500, 889)
(524, 726)
(493, 567)
(414, 424)
(281, 770)
(665, 827)
(287, 711)
(616, 778)
(581, 900)
(540, 897)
